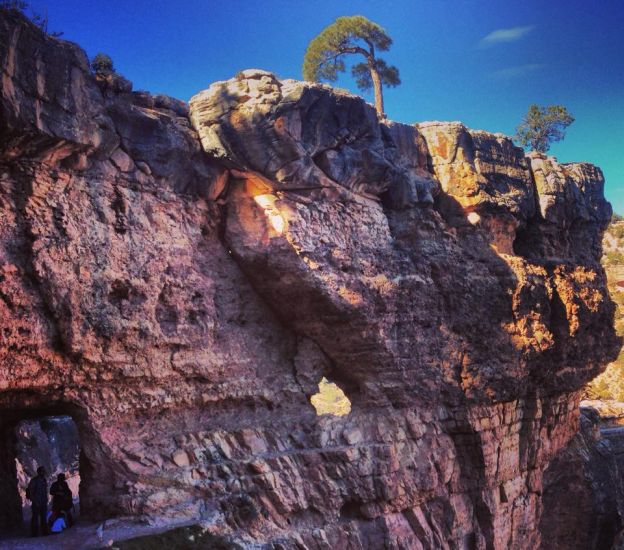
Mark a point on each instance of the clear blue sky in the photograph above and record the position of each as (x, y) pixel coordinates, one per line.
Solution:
(569, 52)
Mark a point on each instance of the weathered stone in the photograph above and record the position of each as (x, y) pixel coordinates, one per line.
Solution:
(484, 172)
(49, 101)
(314, 143)
(583, 491)
(178, 106)
(181, 458)
(573, 212)
(182, 312)
(122, 161)
(485, 180)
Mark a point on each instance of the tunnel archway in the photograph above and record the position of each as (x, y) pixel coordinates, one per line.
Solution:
(17, 441)
(54, 443)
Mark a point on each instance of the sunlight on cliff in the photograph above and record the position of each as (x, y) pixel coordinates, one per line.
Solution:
(610, 384)
(267, 202)
(330, 399)
(474, 218)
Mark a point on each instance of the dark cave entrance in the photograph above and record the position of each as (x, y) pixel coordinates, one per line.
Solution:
(30, 440)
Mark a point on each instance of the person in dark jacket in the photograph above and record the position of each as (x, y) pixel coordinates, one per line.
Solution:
(62, 499)
(37, 493)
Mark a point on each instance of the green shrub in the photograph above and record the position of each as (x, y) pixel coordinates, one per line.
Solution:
(102, 65)
(542, 126)
(610, 384)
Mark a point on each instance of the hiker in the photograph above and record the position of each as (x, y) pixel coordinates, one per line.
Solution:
(62, 500)
(37, 493)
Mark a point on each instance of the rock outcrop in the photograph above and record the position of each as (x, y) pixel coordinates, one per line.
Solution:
(180, 284)
(587, 473)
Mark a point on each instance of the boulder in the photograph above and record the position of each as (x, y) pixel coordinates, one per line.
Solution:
(44, 81)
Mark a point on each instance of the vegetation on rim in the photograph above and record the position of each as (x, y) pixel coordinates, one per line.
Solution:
(542, 126)
(324, 58)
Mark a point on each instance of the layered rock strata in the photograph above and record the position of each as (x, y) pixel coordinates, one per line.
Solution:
(179, 284)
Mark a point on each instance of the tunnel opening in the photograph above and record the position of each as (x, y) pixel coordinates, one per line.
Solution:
(27, 442)
(51, 442)
(330, 399)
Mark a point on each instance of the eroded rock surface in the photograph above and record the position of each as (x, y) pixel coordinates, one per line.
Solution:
(587, 473)
(180, 285)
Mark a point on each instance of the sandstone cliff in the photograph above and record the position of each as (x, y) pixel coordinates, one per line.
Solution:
(180, 283)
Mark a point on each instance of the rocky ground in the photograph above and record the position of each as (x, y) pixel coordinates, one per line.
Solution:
(179, 279)
(117, 533)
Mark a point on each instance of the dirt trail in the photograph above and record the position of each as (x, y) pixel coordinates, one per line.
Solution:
(84, 536)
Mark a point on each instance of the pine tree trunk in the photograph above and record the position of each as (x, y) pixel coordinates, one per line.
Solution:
(379, 104)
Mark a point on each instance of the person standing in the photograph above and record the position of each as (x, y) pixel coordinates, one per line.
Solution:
(62, 499)
(37, 493)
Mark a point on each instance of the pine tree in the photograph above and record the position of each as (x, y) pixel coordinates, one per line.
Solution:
(542, 126)
(324, 58)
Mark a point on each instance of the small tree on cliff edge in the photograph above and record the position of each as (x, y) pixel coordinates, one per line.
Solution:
(542, 126)
(102, 65)
(324, 58)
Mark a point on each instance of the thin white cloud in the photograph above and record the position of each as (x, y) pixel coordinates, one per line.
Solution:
(505, 35)
(518, 70)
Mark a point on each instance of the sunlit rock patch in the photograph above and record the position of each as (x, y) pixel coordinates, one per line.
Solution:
(330, 399)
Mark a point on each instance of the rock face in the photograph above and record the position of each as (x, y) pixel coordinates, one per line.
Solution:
(588, 472)
(179, 286)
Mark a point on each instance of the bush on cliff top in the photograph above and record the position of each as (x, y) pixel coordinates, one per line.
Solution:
(107, 77)
(102, 64)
